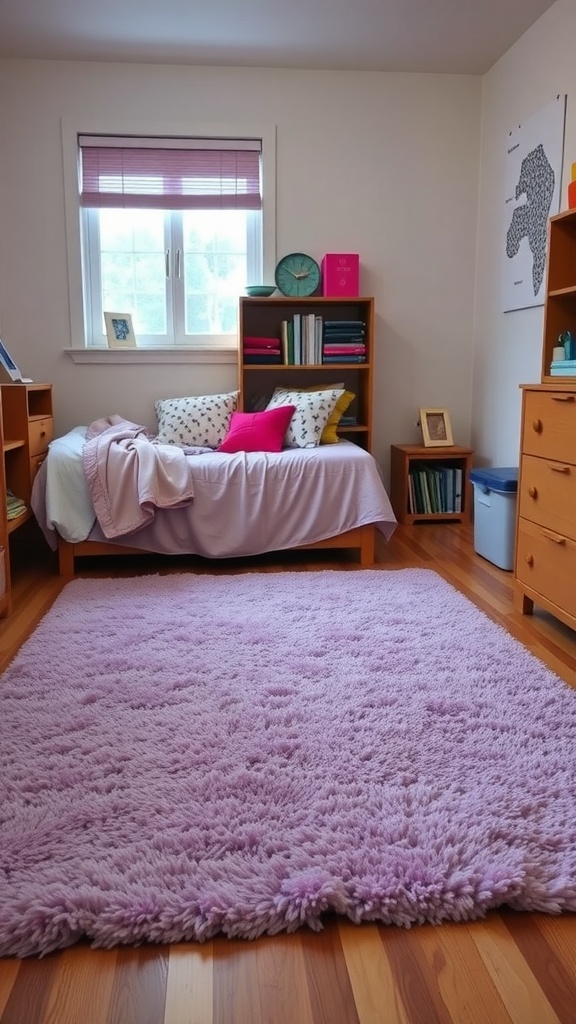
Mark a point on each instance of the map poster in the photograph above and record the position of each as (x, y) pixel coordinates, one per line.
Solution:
(534, 155)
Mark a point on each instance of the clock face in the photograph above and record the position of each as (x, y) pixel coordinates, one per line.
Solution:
(297, 274)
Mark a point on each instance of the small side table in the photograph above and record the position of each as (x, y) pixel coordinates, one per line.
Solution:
(408, 458)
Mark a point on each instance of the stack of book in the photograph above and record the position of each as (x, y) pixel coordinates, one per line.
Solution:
(302, 340)
(344, 341)
(434, 489)
(261, 350)
(563, 368)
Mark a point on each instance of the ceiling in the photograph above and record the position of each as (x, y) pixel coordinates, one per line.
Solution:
(445, 36)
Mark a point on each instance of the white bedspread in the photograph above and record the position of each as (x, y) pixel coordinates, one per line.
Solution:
(244, 504)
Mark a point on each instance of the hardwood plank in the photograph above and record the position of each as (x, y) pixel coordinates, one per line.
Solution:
(465, 985)
(371, 976)
(560, 933)
(331, 995)
(413, 977)
(82, 986)
(190, 984)
(139, 991)
(263, 981)
(28, 998)
(281, 979)
(516, 984)
(8, 972)
(555, 977)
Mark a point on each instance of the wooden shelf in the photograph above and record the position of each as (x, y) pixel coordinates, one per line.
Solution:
(13, 524)
(26, 429)
(402, 456)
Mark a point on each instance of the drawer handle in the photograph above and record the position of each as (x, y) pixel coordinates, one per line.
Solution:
(537, 426)
(560, 469)
(554, 537)
(562, 398)
(529, 559)
(533, 492)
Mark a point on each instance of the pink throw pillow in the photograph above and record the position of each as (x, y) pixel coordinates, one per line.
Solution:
(257, 431)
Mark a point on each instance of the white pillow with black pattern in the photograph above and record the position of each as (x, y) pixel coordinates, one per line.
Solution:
(199, 420)
(311, 414)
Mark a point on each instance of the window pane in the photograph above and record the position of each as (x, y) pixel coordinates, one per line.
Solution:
(132, 262)
(215, 269)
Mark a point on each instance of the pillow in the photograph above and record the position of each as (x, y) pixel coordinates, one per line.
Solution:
(329, 435)
(257, 431)
(313, 409)
(200, 420)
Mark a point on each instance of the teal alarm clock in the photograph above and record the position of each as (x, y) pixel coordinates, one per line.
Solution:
(297, 275)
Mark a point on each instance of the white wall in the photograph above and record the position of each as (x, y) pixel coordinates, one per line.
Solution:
(381, 164)
(507, 346)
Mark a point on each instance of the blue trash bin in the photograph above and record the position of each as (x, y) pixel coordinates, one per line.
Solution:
(495, 496)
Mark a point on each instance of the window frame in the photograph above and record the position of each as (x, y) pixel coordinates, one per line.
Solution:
(79, 349)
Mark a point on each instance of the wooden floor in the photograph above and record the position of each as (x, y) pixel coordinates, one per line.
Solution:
(518, 968)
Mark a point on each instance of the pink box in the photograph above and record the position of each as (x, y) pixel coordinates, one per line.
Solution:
(340, 274)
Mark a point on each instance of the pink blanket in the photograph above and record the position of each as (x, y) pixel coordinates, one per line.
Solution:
(130, 475)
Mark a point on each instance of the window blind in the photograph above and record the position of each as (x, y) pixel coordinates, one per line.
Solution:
(170, 174)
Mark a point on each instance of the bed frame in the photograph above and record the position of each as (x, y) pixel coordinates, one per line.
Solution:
(362, 539)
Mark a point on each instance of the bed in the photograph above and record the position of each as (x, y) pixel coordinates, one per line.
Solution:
(232, 505)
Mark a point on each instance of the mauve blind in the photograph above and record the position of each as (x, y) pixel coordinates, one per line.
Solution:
(169, 178)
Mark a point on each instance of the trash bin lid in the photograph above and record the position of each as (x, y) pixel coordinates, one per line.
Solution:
(496, 478)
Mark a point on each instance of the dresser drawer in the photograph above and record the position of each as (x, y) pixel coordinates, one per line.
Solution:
(546, 563)
(547, 494)
(40, 433)
(549, 425)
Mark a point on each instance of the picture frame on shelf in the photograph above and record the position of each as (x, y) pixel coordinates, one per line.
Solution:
(436, 428)
(119, 330)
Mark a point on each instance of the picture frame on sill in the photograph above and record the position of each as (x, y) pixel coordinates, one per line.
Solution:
(119, 330)
(436, 428)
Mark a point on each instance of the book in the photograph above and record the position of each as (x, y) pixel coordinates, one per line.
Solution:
(354, 350)
(252, 341)
(264, 359)
(561, 370)
(343, 359)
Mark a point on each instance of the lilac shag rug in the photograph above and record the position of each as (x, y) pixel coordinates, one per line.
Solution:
(182, 756)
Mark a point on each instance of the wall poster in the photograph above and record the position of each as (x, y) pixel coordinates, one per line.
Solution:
(534, 155)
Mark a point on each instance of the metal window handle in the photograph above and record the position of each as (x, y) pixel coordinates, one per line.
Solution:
(167, 263)
(178, 263)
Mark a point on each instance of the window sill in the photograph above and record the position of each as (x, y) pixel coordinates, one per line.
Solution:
(130, 356)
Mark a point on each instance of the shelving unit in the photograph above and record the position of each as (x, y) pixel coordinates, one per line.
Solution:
(263, 317)
(560, 299)
(26, 426)
(403, 458)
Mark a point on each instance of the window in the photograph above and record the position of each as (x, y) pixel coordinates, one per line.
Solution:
(171, 232)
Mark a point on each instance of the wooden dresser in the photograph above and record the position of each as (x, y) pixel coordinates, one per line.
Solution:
(545, 569)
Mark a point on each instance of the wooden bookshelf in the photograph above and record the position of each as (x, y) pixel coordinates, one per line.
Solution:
(263, 317)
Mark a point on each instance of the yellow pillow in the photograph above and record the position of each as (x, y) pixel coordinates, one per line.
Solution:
(329, 434)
